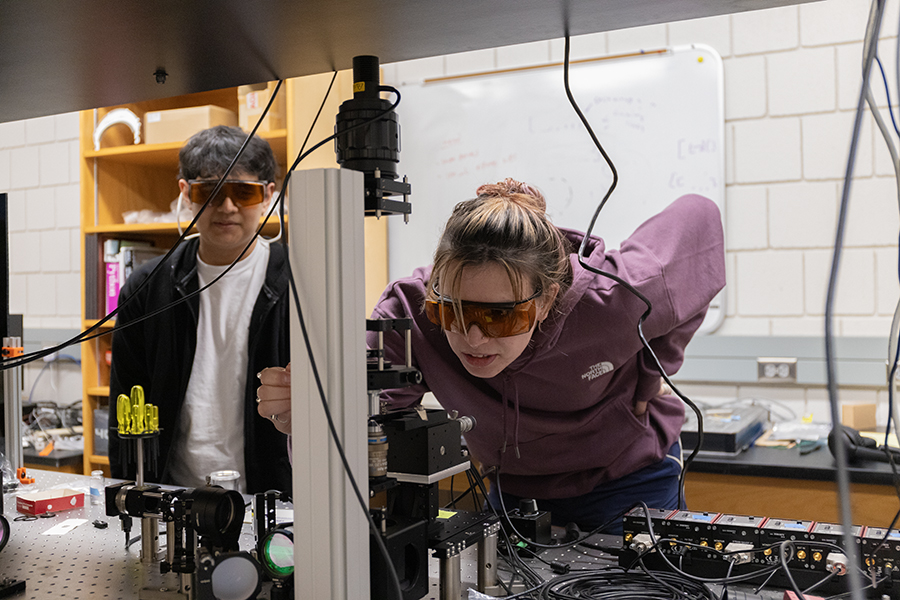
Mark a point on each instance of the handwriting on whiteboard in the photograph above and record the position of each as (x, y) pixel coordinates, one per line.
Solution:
(688, 148)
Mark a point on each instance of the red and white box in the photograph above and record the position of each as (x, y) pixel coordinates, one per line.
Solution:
(37, 503)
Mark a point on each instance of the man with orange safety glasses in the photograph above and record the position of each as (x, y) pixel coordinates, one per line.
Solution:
(197, 361)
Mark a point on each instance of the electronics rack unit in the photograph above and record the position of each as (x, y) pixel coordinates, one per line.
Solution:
(710, 545)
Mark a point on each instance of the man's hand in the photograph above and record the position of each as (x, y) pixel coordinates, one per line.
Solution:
(274, 397)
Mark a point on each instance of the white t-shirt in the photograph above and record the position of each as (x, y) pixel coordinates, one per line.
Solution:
(210, 430)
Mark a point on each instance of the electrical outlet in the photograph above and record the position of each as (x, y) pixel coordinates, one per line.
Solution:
(776, 370)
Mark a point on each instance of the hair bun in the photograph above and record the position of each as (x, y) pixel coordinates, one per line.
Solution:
(513, 190)
(507, 187)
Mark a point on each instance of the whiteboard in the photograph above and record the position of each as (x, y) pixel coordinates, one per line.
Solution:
(659, 116)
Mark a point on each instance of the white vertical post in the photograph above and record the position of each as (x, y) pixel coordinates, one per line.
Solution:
(331, 536)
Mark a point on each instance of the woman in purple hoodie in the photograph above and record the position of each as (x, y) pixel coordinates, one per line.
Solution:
(510, 328)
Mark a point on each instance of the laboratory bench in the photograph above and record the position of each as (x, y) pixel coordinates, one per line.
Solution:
(63, 461)
(783, 483)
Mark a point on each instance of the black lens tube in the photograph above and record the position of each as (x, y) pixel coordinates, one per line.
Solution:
(375, 147)
(217, 516)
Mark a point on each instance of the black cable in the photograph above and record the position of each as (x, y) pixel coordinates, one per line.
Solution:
(724, 595)
(887, 93)
(581, 261)
(843, 478)
(452, 499)
(874, 585)
(615, 584)
(896, 479)
(522, 594)
(469, 490)
(535, 555)
(887, 533)
(891, 384)
(472, 485)
(474, 476)
(662, 581)
(86, 334)
(783, 559)
(507, 587)
(764, 583)
(821, 582)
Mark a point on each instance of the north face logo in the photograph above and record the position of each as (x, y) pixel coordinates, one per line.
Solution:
(597, 370)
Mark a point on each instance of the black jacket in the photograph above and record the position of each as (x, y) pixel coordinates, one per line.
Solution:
(158, 355)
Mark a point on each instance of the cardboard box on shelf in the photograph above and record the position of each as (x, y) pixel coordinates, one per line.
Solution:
(178, 124)
(252, 99)
(38, 503)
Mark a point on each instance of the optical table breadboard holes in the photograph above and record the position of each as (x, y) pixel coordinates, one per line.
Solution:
(87, 562)
(84, 563)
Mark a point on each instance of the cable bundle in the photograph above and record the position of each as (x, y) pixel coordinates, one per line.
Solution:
(616, 584)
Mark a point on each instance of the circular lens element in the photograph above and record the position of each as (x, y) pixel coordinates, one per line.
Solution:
(237, 577)
(278, 554)
(4, 535)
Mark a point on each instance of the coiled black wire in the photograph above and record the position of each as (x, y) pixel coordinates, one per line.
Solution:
(615, 584)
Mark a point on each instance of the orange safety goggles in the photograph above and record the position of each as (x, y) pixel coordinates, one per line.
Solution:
(242, 193)
(495, 319)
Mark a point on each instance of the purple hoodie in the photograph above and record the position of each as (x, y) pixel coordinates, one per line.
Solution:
(559, 420)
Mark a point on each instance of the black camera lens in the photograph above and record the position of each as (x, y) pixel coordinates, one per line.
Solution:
(373, 146)
(217, 515)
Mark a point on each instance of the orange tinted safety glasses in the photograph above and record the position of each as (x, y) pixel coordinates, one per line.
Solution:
(495, 319)
(242, 193)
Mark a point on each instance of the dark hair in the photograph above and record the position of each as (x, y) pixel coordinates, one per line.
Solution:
(208, 153)
(506, 224)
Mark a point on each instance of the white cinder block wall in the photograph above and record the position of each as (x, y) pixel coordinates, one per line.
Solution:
(39, 170)
(792, 79)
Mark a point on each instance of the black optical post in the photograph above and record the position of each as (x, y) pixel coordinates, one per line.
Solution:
(11, 336)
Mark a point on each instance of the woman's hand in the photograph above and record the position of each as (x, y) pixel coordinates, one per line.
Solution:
(640, 407)
(274, 397)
